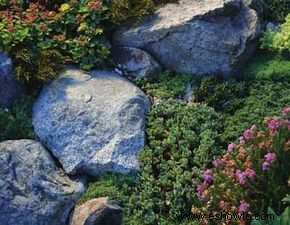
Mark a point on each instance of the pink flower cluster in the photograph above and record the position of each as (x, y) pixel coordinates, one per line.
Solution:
(244, 207)
(231, 147)
(273, 124)
(201, 188)
(249, 134)
(286, 111)
(207, 181)
(242, 175)
(220, 162)
(207, 177)
(270, 158)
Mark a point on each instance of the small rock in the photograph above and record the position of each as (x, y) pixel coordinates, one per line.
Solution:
(134, 62)
(33, 190)
(272, 26)
(10, 88)
(97, 211)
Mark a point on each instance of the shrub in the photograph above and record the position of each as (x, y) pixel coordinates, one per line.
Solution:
(279, 9)
(16, 123)
(265, 98)
(37, 67)
(222, 95)
(253, 174)
(165, 84)
(117, 187)
(278, 40)
(267, 65)
(182, 140)
(132, 10)
(75, 29)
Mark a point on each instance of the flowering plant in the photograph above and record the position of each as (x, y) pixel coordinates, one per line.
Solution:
(253, 173)
(75, 29)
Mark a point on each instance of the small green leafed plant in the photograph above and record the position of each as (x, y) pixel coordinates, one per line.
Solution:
(117, 187)
(165, 84)
(182, 140)
(275, 219)
(16, 123)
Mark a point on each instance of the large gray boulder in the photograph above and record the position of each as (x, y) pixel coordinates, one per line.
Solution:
(10, 88)
(196, 36)
(33, 190)
(92, 123)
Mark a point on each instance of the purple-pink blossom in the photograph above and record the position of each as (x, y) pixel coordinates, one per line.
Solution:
(241, 140)
(250, 174)
(249, 134)
(285, 124)
(265, 166)
(200, 189)
(231, 148)
(207, 176)
(286, 111)
(273, 124)
(244, 207)
(240, 175)
(270, 157)
(219, 162)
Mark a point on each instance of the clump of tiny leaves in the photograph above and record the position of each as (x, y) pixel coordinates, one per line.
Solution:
(131, 10)
(266, 65)
(222, 95)
(253, 173)
(164, 84)
(75, 29)
(182, 140)
(16, 123)
(116, 187)
(36, 67)
(278, 40)
(278, 9)
(265, 98)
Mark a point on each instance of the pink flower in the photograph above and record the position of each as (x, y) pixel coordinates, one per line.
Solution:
(265, 166)
(241, 140)
(240, 175)
(249, 134)
(286, 111)
(273, 124)
(270, 157)
(200, 188)
(201, 191)
(250, 174)
(244, 207)
(286, 124)
(220, 162)
(207, 176)
(231, 148)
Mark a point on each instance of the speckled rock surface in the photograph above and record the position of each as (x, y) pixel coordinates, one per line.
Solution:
(33, 190)
(92, 123)
(97, 211)
(196, 36)
(134, 62)
(10, 88)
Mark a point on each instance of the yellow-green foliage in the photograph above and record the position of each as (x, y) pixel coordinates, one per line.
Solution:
(278, 40)
(37, 67)
(124, 10)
